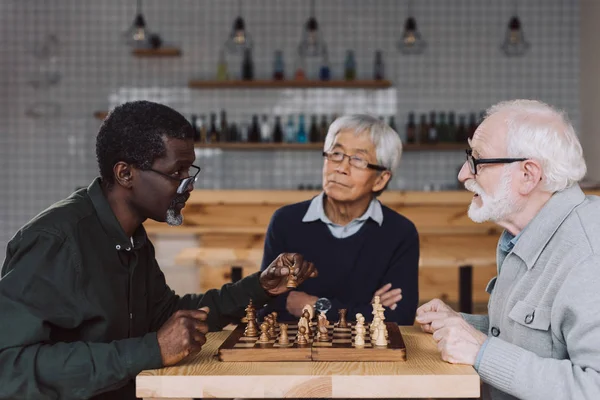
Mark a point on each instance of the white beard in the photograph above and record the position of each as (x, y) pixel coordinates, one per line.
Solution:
(495, 207)
(174, 218)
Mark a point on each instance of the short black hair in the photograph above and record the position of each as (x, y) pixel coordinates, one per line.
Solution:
(133, 133)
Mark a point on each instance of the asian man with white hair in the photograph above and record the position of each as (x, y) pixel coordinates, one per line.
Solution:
(541, 336)
(361, 248)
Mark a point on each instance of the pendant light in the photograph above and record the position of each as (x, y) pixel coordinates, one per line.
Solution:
(239, 39)
(312, 43)
(411, 41)
(514, 39)
(137, 34)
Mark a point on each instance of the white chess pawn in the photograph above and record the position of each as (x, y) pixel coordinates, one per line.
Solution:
(359, 339)
(380, 335)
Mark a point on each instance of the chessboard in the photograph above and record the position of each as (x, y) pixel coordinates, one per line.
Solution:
(339, 347)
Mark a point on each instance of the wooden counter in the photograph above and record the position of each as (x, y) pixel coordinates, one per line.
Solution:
(423, 375)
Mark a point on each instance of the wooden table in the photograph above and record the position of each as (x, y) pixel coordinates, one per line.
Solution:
(423, 375)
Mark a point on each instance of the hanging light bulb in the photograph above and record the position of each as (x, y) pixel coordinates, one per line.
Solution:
(137, 34)
(411, 41)
(312, 44)
(239, 39)
(514, 41)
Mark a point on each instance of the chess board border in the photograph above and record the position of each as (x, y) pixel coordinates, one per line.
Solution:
(395, 351)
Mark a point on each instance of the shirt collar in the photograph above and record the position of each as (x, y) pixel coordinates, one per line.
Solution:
(109, 221)
(316, 211)
(547, 221)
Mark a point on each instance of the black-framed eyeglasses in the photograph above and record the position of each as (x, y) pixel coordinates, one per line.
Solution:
(355, 161)
(184, 183)
(474, 162)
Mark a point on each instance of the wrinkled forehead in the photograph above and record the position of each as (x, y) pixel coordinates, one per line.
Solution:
(489, 139)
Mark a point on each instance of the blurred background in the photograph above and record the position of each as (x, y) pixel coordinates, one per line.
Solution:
(262, 79)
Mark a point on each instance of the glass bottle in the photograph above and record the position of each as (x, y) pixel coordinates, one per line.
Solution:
(423, 130)
(433, 132)
(301, 135)
(224, 136)
(323, 128)
(247, 66)
(265, 130)
(313, 133)
(290, 130)
(324, 71)
(278, 66)
(350, 66)
(213, 133)
(222, 74)
(277, 130)
(254, 133)
(411, 129)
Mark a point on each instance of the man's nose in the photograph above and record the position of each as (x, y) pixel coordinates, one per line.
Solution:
(465, 173)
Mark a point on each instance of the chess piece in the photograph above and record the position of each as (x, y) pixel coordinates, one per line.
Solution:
(322, 326)
(301, 338)
(311, 311)
(304, 322)
(342, 322)
(251, 327)
(264, 336)
(283, 335)
(380, 339)
(271, 328)
(359, 339)
(274, 316)
(292, 281)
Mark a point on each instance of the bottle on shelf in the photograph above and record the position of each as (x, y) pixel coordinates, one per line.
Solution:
(411, 129)
(254, 133)
(442, 127)
(472, 125)
(378, 68)
(278, 66)
(234, 134)
(433, 128)
(244, 131)
(323, 128)
(451, 134)
(462, 133)
(314, 135)
(222, 73)
(290, 130)
(194, 123)
(301, 135)
(247, 66)
(324, 70)
(277, 130)
(224, 134)
(213, 133)
(423, 130)
(350, 66)
(265, 130)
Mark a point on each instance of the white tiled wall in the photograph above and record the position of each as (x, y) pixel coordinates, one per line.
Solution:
(43, 159)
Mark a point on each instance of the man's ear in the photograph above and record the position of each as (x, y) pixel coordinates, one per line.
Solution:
(123, 174)
(381, 181)
(530, 176)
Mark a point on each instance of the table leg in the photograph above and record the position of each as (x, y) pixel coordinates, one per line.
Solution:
(465, 289)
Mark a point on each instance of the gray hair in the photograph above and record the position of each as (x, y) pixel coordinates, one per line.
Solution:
(541, 132)
(388, 146)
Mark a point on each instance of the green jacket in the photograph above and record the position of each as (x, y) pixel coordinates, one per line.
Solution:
(80, 304)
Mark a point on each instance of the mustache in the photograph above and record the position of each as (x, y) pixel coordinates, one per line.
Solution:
(474, 187)
(182, 198)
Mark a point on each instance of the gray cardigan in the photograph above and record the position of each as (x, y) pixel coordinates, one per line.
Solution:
(543, 317)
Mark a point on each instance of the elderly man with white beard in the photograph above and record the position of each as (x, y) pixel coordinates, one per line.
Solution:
(541, 336)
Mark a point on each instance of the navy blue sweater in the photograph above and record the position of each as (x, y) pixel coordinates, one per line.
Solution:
(350, 269)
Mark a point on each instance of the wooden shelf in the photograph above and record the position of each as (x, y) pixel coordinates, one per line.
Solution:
(100, 115)
(319, 146)
(160, 52)
(290, 84)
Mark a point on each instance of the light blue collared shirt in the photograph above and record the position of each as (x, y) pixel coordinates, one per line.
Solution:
(316, 212)
(506, 243)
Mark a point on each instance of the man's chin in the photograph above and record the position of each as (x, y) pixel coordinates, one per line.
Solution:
(477, 213)
(174, 218)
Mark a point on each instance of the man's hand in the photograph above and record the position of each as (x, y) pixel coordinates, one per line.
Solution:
(388, 297)
(457, 340)
(297, 300)
(435, 306)
(182, 335)
(274, 278)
